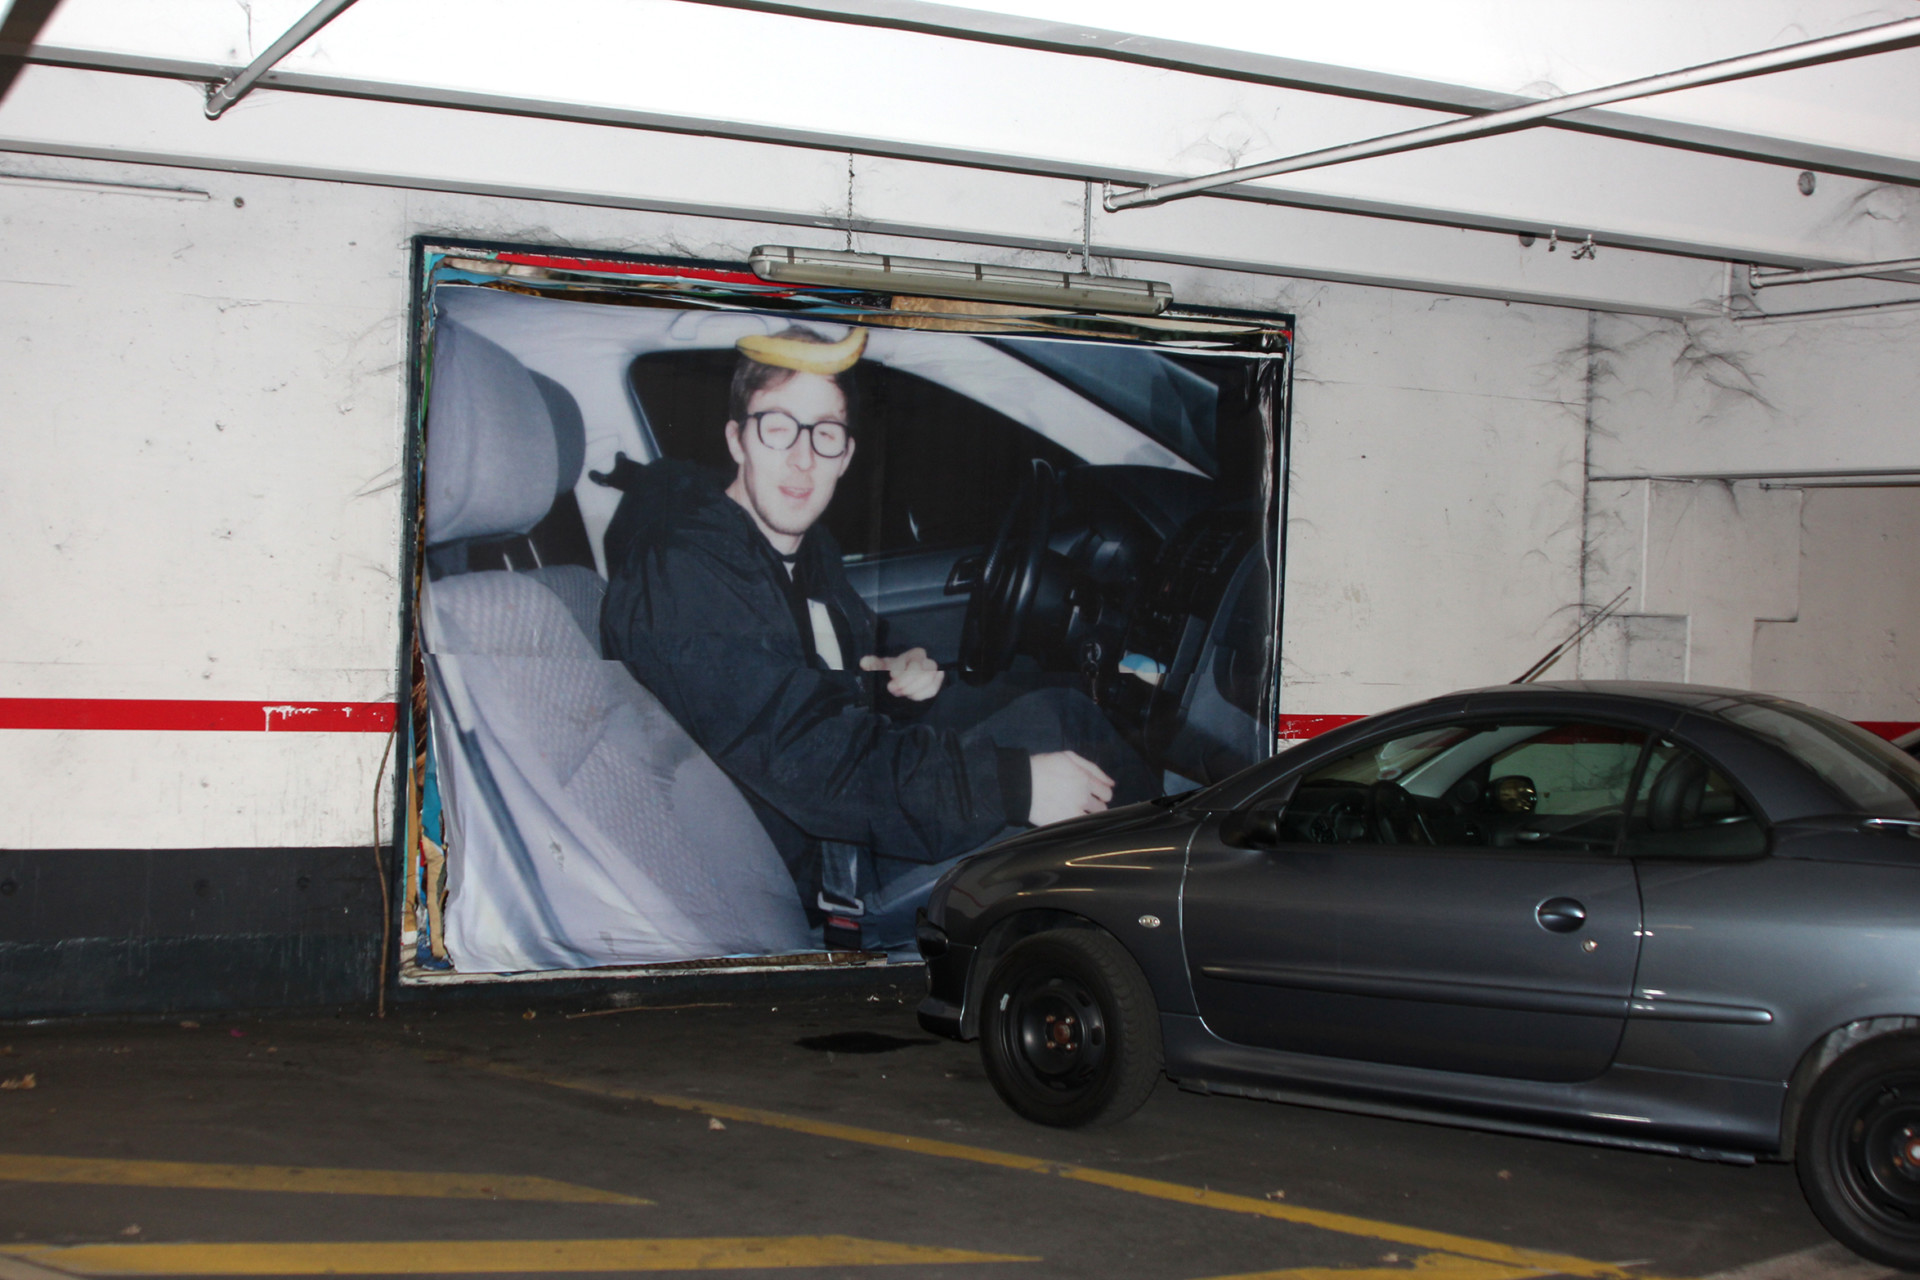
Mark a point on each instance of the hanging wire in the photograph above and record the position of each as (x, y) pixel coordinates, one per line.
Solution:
(1086, 230)
(380, 867)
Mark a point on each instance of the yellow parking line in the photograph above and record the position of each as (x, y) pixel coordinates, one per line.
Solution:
(1202, 1197)
(440, 1257)
(265, 1177)
(1430, 1266)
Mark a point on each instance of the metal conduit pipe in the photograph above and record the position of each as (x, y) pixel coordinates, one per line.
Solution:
(224, 95)
(1761, 279)
(1851, 44)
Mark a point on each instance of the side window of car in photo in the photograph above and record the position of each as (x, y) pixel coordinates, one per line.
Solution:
(1531, 787)
(1685, 808)
(932, 469)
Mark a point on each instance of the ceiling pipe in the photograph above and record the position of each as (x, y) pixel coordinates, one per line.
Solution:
(1014, 31)
(1851, 44)
(1814, 475)
(1616, 237)
(225, 94)
(1761, 279)
(1826, 313)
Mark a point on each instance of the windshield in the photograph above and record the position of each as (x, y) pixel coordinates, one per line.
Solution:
(1870, 772)
(1170, 402)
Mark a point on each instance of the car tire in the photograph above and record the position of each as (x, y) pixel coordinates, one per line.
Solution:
(1858, 1150)
(1069, 1032)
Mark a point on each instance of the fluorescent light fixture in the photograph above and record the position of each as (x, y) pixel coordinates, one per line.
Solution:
(888, 273)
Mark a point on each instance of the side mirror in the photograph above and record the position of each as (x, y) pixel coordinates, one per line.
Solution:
(1251, 829)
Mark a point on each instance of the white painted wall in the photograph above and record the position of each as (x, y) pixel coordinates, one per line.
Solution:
(1814, 593)
(1434, 523)
(1854, 647)
(1675, 397)
(1701, 562)
(203, 407)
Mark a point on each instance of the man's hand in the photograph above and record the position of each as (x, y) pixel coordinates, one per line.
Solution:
(1066, 785)
(913, 675)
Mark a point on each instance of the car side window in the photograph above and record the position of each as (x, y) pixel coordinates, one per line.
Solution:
(1537, 785)
(1685, 808)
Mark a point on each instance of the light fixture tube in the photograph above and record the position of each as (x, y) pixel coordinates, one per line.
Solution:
(889, 273)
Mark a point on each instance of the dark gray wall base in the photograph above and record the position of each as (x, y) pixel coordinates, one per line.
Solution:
(50, 895)
(161, 931)
(181, 932)
(185, 976)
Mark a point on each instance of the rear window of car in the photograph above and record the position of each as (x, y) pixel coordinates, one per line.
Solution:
(1870, 772)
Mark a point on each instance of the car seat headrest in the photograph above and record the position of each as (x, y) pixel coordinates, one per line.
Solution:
(493, 459)
(1674, 803)
(569, 431)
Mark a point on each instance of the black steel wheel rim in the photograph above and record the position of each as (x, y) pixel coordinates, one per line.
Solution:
(1057, 1033)
(1878, 1143)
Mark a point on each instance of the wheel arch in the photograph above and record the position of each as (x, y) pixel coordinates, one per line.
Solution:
(1826, 1051)
(1003, 936)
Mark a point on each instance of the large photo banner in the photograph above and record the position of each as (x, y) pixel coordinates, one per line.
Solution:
(744, 618)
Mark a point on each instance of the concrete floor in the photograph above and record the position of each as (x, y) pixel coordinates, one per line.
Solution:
(714, 1137)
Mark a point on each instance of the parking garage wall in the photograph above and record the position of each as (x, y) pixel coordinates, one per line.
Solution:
(1755, 493)
(204, 399)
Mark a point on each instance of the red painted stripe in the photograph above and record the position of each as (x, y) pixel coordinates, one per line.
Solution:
(1295, 728)
(184, 716)
(178, 716)
(629, 268)
(1299, 728)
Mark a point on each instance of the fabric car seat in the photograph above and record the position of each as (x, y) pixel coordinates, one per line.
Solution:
(1689, 815)
(585, 827)
(1678, 792)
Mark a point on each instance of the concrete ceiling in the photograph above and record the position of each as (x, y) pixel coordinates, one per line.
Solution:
(987, 125)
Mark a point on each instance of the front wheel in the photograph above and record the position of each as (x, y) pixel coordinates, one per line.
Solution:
(1858, 1154)
(1069, 1033)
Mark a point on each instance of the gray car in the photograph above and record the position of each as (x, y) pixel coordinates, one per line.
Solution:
(1664, 917)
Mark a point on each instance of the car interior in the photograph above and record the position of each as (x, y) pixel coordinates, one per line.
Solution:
(1529, 787)
(998, 549)
(556, 762)
(1145, 583)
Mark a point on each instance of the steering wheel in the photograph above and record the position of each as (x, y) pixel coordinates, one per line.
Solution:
(1007, 579)
(1394, 817)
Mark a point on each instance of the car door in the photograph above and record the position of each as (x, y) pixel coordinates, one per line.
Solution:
(1448, 898)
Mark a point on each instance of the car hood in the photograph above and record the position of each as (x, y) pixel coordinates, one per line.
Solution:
(1112, 821)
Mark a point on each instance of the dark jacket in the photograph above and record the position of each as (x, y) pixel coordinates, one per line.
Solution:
(703, 613)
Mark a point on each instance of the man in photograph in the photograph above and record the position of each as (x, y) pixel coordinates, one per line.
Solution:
(727, 600)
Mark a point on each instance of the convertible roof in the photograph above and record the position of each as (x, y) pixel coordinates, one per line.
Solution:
(1692, 696)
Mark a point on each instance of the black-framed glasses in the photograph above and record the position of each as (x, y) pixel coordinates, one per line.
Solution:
(778, 429)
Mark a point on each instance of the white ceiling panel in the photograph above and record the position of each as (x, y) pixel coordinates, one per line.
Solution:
(948, 96)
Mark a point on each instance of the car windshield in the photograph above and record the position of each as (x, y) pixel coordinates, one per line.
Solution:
(1170, 402)
(1874, 776)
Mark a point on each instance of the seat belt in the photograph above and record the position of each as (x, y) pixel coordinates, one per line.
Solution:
(839, 896)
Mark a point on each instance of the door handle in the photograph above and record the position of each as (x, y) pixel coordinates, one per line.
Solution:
(1560, 915)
